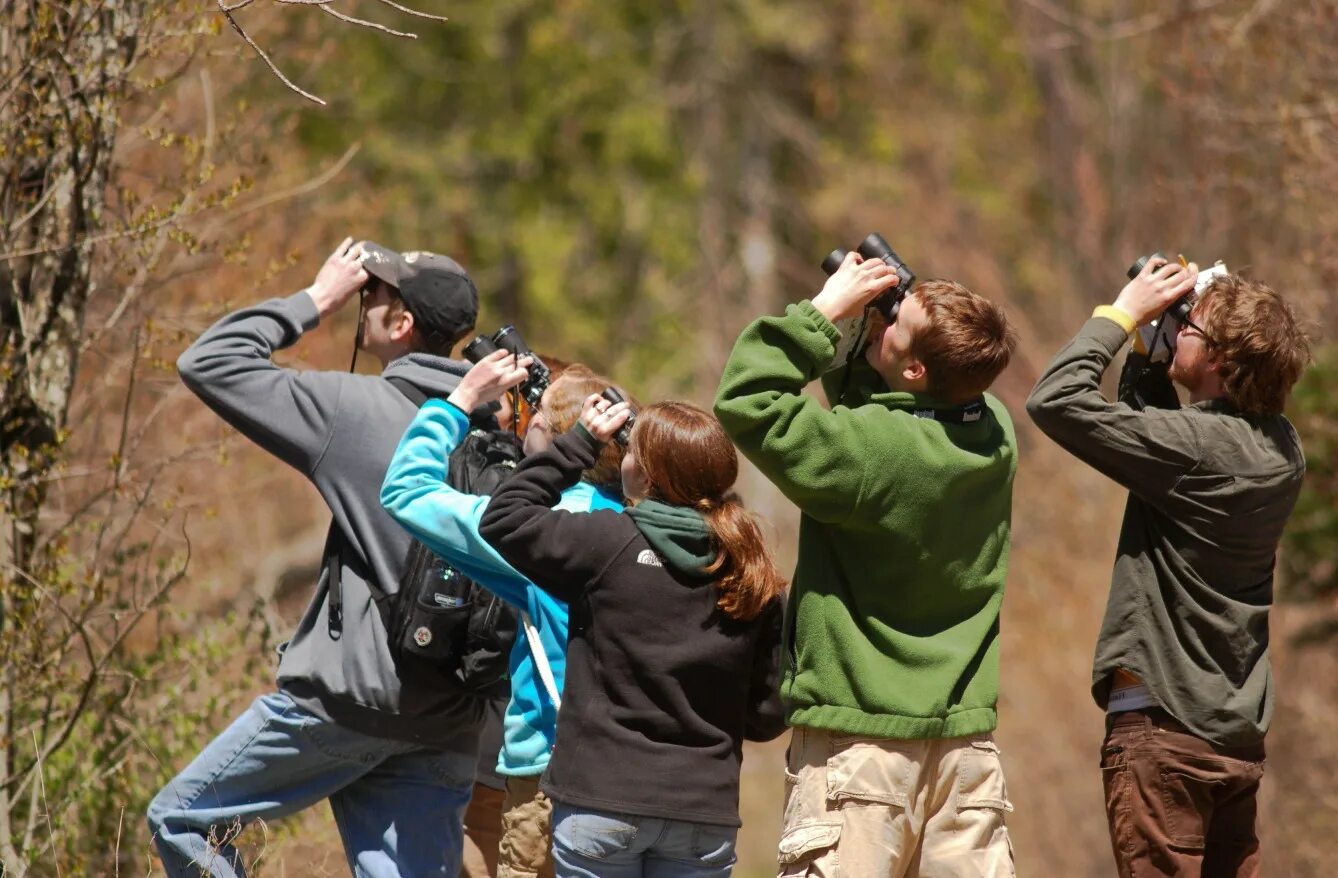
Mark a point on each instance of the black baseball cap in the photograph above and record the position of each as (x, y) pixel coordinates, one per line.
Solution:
(438, 293)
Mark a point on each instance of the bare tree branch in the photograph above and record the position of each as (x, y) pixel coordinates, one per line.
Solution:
(1084, 28)
(407, 11)
(369, 24)
(227, 13)
(325, 6)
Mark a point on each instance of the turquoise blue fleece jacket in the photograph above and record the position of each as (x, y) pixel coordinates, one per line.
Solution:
(417, 495)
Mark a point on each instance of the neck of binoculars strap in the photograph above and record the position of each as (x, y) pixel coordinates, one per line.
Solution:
(357, 335)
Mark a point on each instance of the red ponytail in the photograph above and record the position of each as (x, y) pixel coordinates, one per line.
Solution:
(689, 461)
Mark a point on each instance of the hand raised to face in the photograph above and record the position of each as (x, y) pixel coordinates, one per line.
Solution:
(1159, 284)
(340, 277)
(488, 379)
(853, 286)
(601, 418)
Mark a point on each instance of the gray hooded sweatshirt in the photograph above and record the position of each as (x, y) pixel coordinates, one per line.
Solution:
(340, 430)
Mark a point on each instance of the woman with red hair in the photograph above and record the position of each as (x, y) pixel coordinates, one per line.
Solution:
(674, 651)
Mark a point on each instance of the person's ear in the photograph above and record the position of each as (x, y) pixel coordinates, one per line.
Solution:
(914, 370)
(401, 325)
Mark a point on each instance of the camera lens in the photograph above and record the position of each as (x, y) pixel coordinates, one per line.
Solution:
(508, 338)
(479, 348)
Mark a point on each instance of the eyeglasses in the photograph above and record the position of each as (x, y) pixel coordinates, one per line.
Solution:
(1190, 325)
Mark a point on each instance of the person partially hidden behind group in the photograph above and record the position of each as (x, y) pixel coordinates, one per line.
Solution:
(674, 655)
(419, 496)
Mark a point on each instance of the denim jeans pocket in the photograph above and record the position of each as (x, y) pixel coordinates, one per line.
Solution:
(595, 834)
(713, 845)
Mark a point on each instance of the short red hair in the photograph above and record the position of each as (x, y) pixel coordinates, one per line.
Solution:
(965, 343)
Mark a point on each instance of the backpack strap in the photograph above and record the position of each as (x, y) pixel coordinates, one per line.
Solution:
(410, 390)
(540, 660)
(334, 542)
(334, 620)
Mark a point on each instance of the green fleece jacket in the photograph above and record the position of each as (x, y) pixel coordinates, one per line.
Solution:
(893, 627)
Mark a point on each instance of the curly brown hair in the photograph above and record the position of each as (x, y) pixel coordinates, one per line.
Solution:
(1259, 345)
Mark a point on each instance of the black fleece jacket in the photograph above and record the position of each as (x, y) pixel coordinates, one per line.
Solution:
(661, 687)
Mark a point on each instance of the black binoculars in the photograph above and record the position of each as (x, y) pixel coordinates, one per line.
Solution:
(875, 246)
(508, 339)
(624, 434)
(1181, 307)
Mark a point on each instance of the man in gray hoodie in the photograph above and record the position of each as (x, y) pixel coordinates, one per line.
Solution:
(394, 755)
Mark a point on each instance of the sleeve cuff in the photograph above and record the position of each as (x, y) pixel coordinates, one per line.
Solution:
(449, 408)
(819, 320)
(582, 436)
(305, 308)
(1117, 316)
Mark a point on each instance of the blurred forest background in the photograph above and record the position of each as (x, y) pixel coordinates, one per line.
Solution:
(630, 183)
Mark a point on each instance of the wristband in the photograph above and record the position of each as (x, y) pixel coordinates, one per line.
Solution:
(1118, 316)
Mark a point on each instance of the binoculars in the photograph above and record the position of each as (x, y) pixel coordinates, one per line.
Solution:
(1181, 307)
(624, 434)
(875, 246)
(508, 339)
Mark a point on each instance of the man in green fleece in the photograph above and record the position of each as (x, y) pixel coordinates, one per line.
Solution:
(1182, 665)
(892, 640)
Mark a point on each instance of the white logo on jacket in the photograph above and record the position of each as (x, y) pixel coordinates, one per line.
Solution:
(650, 558)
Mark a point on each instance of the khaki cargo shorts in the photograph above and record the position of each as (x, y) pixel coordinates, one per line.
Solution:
(885, 808)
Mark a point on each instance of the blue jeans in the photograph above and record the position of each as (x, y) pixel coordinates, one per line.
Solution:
(597, 844)
(399, 806)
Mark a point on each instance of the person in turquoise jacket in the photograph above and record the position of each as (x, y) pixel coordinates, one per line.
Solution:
(417, 495)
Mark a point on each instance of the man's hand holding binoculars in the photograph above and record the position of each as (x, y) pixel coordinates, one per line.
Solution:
(488, 379)
(339, 279)
(853, 286)
(1160, 283)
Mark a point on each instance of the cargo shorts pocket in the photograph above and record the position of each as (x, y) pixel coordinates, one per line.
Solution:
(980, 778)
(871, 772)
(803, 845)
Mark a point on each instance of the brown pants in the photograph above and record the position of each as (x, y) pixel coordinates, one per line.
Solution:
(483, 831)
(527, 831)
(1176, 804)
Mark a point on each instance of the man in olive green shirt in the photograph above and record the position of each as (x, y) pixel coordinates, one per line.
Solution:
(892, 646)
(1182, 659)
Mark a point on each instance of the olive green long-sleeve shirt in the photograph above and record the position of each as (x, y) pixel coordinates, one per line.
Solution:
(1210, 490)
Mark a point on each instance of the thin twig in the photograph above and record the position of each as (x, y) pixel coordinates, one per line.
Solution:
(263, 57)
(407, 11)
(302, 189)
(370, 24)
(46, 807)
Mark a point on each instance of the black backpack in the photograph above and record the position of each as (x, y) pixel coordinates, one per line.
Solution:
(441, 621)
